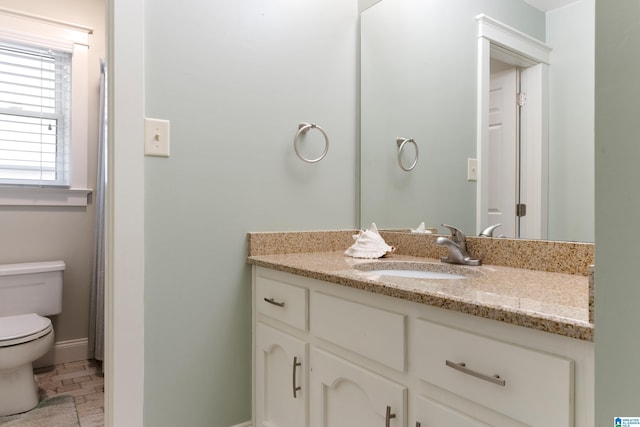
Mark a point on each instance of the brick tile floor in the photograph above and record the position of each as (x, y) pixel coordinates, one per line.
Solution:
(84, 381)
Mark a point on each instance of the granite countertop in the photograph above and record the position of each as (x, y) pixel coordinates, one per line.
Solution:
(548, 301)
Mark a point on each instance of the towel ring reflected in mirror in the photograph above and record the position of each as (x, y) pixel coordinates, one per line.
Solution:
(304, 128)
(402, 142)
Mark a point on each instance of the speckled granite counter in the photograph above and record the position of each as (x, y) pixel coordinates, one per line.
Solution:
(548, 301)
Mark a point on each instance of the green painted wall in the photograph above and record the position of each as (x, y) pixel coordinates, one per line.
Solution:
(617, 143)
(234, 78)
(570, 32)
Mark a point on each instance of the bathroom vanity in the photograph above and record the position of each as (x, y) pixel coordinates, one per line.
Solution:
(337, 346)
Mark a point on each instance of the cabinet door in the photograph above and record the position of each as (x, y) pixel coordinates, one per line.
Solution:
(430, 413)
(346, 395)
(281, 379)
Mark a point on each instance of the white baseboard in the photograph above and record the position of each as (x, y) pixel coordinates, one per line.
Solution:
(247, 424)
(65, 352)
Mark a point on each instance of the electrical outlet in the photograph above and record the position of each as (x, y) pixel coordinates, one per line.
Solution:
(156, 137)
(472, 169)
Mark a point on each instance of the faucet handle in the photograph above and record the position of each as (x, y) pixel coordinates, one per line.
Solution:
(488, 232)
(456, 234)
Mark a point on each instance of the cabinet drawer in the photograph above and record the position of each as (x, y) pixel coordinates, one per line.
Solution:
(429, 412)
(281, 301)
(369, 331)
(533, 387)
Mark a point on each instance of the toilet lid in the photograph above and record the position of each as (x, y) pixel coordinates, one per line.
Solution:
(23, 328)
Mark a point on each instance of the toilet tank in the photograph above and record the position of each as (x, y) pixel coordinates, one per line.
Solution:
(33, 287)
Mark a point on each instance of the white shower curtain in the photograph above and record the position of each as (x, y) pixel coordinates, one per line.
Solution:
(96, 320)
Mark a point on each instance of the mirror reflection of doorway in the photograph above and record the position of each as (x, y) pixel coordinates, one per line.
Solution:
(520, 161)
(512, 153)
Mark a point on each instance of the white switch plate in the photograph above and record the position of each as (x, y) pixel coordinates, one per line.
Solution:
(472, 169)
(156, 137)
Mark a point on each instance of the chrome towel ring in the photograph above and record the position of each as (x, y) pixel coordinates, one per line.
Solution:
(304, 128)
(402, 142)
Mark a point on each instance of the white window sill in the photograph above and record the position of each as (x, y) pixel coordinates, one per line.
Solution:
(37, 196)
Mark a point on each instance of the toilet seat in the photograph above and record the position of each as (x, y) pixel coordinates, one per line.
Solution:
(23, 328)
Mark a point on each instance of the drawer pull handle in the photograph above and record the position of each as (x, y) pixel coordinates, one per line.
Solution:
(274, 302)
(495, 379)
(389, 417)
(295, 365)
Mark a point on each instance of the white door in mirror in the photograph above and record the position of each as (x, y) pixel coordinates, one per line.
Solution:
(156, 137)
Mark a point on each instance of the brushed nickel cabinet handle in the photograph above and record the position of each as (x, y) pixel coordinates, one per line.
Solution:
(274, 302)
(389, 417)
(462, 367)
(295, 365)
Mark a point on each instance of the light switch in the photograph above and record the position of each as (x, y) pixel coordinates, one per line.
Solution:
(472, 169)
(156, 137)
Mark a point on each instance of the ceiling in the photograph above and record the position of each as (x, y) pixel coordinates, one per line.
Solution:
(546, 5)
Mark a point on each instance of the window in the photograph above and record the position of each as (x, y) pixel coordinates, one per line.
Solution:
(35, 112)
(43, 111)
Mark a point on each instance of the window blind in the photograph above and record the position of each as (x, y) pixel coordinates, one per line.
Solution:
(35, 109)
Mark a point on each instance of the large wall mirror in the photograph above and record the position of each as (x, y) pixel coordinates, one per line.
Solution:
(420, 76)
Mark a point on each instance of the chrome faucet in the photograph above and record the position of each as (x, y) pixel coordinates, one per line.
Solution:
(456, 245)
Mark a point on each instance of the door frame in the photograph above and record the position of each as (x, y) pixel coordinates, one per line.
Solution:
(503, 42)
(124, 268)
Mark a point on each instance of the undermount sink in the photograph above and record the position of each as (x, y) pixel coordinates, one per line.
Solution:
(417, 274)
(416, 270)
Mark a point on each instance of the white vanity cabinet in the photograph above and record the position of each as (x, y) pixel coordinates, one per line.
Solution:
(344, 394)
(359, 358)
(280, 373)
(280, 358)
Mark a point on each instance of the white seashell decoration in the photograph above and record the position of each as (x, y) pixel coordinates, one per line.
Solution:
(369, 244)
(422, 229)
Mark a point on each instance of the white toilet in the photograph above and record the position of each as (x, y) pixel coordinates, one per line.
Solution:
(28, 292)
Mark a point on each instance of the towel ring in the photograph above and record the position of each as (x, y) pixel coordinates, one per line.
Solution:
(401, 144)
(304, 128)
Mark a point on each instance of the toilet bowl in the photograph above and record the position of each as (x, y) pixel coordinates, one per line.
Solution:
(23, 339)
(28, 292)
